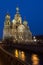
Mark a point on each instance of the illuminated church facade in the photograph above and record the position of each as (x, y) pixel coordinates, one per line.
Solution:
(17, 29)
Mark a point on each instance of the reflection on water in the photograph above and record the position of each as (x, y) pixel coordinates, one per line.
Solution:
(35, 59)
(28, 57)
(19, 54)
(22, 55)
(16, 53)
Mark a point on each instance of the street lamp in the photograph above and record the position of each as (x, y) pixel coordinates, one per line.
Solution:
(34, 39)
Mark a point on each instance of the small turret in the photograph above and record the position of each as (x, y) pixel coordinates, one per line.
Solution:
(25, 23)
(7, 16)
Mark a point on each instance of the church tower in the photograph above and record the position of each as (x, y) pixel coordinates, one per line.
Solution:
(6, 30)
(15, 23)
(17, 18)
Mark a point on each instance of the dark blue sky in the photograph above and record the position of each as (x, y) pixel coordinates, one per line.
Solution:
(31, 9)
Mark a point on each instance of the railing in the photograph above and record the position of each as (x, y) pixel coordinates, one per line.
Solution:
(8, 59)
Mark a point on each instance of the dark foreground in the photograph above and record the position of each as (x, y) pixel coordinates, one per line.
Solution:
(7, 52)
(8, 59)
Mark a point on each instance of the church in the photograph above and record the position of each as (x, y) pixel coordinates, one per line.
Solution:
(16, 29)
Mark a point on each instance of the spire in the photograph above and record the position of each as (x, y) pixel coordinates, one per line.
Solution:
(17, 9)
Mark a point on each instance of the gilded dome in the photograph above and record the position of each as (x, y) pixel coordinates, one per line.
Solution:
(25, 23)
(7, 16)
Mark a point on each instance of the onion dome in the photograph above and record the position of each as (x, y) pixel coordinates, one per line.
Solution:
(25, 23)
(7, 16)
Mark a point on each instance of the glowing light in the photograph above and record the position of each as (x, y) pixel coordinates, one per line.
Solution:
(23, 56)
(16, 53)
(35, 59)
(34, 38)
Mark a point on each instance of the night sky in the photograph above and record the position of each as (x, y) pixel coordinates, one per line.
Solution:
(31, 9)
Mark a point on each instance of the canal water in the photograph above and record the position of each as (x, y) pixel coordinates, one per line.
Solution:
(28, 56)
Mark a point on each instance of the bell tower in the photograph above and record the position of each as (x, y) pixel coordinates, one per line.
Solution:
(6, 30)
